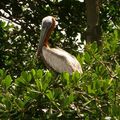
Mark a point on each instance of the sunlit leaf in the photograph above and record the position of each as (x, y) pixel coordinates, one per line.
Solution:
(7, 81)
(69, 100)
(33, 72)
(26, 76)
(49, 94)
(39, 73)
(39, 84)
(66, 77)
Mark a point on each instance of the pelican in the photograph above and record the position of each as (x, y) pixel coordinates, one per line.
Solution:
(56, 59)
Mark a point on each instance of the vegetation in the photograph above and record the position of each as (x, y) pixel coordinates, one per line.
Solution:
(46, 95)
(29, 91)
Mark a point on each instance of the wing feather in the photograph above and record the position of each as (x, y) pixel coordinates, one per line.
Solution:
(61, 60)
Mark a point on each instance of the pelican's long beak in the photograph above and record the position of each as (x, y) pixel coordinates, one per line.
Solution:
(43, 36)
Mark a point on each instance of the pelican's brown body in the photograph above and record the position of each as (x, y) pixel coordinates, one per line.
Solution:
(55, 58)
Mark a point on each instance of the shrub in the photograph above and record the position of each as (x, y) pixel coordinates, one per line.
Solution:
(40, 94)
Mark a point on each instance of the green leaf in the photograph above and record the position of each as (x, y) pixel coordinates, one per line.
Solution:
(2, 74)
(117, 70)
(48, 76)
(44, 82)
(39, 84)
(66, 77)
(94, 47)
(76, 76)
(7, 81)
(20, 80)
(115, 35)
(2, 24)
(87, 57)
(49, 94)
(7, 103)
(26, 76)
(90, 90)
(58, 92)
(80, 58)
(68, 100)
(39, 73)
(19, 103)
(33, 72)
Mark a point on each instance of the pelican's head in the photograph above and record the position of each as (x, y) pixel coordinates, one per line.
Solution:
(48, 25)
(48, 22)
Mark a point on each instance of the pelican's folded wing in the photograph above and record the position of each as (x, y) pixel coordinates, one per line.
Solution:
(60, 60)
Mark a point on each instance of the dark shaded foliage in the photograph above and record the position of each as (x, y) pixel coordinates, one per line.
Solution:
(18, 47)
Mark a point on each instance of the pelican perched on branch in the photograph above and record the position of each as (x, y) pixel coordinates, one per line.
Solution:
(55, 58)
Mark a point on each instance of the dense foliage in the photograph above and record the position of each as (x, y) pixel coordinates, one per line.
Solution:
(18, 45)
(46, 95)
(28, 91)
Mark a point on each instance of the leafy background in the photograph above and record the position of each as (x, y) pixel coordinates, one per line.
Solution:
(28, 90)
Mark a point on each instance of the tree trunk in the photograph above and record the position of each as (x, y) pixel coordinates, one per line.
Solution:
(93, 28)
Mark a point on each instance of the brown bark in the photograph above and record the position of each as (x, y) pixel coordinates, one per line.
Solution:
(93, 28)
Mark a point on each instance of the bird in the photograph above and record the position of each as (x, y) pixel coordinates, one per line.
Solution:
(56, 59)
